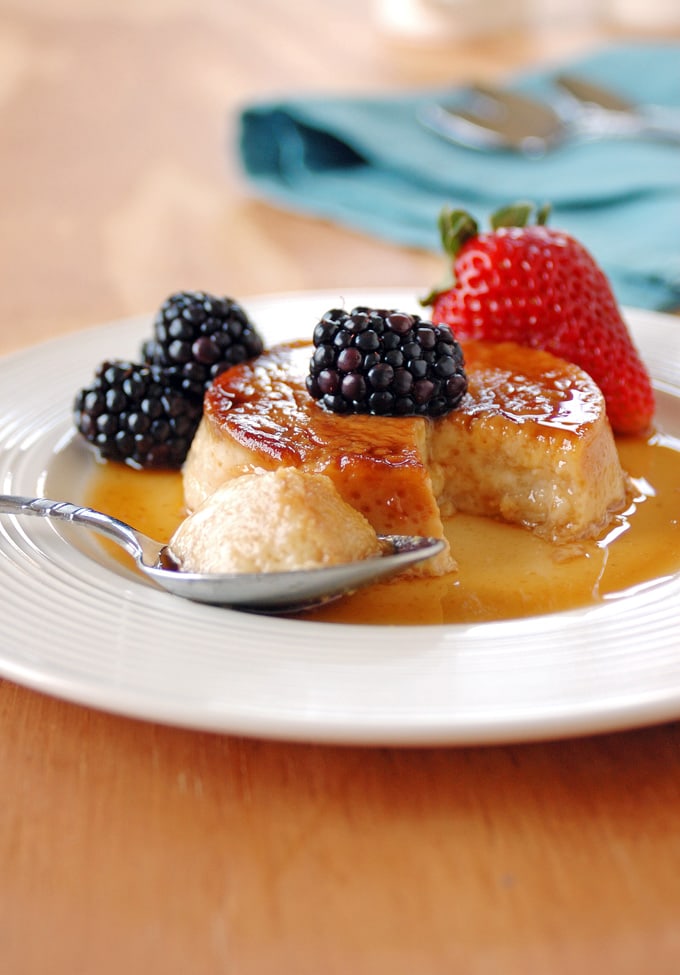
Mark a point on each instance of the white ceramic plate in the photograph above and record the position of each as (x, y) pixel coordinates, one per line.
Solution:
(80, 627)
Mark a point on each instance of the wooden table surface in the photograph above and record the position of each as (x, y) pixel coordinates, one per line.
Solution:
(129, 847)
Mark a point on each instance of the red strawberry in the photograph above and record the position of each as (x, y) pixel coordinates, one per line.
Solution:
(539, 287)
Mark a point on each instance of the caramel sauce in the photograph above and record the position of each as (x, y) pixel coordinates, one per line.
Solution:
(504, 571)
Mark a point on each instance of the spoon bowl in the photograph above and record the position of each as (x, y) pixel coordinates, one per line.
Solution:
(488, 117)
(264, 592)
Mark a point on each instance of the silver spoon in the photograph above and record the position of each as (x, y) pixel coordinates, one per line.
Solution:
(267, 592)
(488, 117)
(491, 118)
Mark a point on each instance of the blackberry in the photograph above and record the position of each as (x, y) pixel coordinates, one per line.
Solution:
(385, 362)
(196, 336)
(137, 414)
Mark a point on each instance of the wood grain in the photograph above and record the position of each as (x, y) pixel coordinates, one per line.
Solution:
(130, 847)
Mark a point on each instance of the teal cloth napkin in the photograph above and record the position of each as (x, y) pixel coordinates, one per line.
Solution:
(367, 163)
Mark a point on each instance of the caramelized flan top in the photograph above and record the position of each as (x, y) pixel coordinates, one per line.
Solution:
(264, 405)
(529, 386)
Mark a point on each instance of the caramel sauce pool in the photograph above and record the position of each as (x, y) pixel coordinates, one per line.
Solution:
(504, 571)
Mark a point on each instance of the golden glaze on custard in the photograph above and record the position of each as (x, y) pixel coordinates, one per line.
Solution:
(265, 407)
(264, 404)
(535, 388)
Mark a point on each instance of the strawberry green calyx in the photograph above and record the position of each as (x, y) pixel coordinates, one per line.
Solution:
(543, 214)
(455, 228)
(519, 215)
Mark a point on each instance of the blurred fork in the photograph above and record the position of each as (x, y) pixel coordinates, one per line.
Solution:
(488, 117)
(652, 120)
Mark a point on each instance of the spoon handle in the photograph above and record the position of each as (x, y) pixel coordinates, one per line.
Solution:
(131, 540)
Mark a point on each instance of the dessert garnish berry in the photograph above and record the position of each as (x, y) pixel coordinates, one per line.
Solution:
(137, 414)
(527, 283)
(386, 362)
(198, 335)
(146, 413)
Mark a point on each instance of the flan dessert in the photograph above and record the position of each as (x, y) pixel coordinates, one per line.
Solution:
(530, 443)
